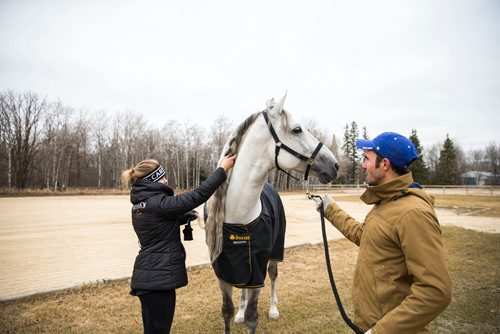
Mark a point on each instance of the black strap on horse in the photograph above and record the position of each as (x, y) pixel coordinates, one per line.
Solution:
(279, 145)
(329, 268)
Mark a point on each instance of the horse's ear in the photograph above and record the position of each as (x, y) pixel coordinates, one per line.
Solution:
(279, 107)
(270, 104)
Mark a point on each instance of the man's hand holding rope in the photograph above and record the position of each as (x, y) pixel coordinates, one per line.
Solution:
(327, 200)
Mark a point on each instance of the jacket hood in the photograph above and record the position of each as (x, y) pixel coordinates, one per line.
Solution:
(143, 189)
(392, 190)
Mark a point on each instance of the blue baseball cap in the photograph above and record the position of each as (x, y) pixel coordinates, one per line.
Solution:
(398, 149)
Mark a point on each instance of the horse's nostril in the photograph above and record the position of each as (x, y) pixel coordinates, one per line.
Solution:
(337, 166)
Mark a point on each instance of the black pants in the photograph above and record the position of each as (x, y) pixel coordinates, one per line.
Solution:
(158, 309)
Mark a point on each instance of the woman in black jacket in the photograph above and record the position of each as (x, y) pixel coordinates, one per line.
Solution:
(157, 214)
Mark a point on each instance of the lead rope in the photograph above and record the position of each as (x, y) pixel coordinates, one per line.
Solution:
(329, 265)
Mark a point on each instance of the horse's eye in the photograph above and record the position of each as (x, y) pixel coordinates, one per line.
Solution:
(297, 130)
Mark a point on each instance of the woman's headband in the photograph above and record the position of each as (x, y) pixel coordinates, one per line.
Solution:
(155, 175)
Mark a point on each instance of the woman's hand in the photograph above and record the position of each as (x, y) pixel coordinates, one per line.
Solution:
(228, 162)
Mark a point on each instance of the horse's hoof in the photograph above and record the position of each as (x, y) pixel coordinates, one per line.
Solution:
(239, 319)
(274, 315)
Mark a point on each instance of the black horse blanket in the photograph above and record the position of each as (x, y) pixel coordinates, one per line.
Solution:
(247, 249)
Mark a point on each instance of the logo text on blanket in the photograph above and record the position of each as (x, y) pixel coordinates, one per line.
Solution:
(240, 239)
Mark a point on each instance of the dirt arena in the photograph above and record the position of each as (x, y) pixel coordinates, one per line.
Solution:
(52, 243)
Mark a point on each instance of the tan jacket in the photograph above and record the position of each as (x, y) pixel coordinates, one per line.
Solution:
(401, 282)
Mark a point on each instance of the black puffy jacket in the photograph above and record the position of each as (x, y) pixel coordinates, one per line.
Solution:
(156, 217)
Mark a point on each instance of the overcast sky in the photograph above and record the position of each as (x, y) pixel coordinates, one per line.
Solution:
(429, 65)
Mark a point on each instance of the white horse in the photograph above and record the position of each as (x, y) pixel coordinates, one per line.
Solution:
(265, 140)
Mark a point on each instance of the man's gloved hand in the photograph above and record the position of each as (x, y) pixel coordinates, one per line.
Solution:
(318, 201)
(327, 200)
(369, 331)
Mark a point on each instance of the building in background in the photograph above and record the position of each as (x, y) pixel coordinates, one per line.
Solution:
(474, 178)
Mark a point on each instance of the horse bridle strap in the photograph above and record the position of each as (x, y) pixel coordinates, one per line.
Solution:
(279, 145)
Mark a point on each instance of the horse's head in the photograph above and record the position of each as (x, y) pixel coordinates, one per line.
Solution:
(294, 146)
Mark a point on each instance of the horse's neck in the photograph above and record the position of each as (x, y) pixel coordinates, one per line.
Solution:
(247, 180)
(243, 196)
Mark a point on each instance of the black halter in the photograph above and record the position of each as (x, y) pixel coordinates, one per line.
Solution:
(279, 145)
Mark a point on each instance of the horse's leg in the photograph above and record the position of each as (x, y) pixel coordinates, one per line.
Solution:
(240, 316)
(272, 269)
(251, 313)
(227, 305)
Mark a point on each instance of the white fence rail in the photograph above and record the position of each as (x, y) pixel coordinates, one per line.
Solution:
(431, 189)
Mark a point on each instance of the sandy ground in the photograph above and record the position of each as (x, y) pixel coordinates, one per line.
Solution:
(52, 243)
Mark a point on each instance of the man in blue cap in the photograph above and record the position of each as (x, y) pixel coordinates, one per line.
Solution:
(401, 282)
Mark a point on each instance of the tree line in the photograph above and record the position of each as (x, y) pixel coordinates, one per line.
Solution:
(48, 145)
(442, 164)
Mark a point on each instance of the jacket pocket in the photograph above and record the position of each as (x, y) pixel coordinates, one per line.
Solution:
(387, 291)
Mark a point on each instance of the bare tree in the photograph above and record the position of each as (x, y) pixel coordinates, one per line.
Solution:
(432, 161)
(334, 145)
(55, 142)
(220, 130)
(171, 151)
(197, 134)
(128, 145)
(101, 138)
(476, 160)
(21, 115)
(6, 137)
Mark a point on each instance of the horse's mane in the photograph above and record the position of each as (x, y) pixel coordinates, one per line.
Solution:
(217, 204)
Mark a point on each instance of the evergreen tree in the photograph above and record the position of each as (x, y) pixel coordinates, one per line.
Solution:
(418, 167)
(364, 135)
(350, 152)
(447, 172)
(492, 154)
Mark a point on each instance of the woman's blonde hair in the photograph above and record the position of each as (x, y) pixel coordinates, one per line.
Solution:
(142, 169)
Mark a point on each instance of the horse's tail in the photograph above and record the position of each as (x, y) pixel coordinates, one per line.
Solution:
(214, 221)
